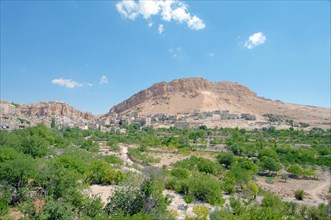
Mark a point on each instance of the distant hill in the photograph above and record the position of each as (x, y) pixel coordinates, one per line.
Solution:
(201, 95)
(189, 102)
(22, 115)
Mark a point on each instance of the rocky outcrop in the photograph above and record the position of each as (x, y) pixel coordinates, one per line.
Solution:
(186, 86)
(13, 116)
(49, 109)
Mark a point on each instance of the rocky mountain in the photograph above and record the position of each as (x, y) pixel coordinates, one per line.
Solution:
(20, 115)
(182, 102)
(49, 109)
(200, 95)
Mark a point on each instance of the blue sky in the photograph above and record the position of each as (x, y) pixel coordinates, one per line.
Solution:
(95, 54)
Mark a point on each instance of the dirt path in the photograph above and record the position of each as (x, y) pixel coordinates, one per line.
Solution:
(319, 192)
(316, 191)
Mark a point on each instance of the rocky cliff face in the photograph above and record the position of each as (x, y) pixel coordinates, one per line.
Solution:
(199, 95)
(191, 86)
(49, 109)
(14, 116)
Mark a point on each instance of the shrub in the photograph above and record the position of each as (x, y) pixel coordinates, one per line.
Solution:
(90, 146)
(126, 199)
(206, 188)
(188, 198)
(226, 159)
(146, 198)
(236, 206)
(93, 207)
(113, 159)
(271, 201)
(101, 173)
(295, 170)
(142, 156)
(200, 164)
(113, 143)
(270, 164)
(35, 145)
(299, 194)
(268, 152)
(201, 211)
(180, 173)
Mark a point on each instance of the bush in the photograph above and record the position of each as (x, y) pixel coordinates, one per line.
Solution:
(57, 210)
(146, 198)
(270, 164)
(90, 146)
(295, 170)
(128, 200)
(299, 194)
(201, 186)
(201, 211)
(5, 199)
(188, 198)
(101, 173)
(113, 143)
(268, 152)
(271, 201)
(113, 159)
(226, 159)
(206, 188)
(200, 164)
(142, 156)
(93, 207)
(180, 173)
(35, 145)
(237, 206)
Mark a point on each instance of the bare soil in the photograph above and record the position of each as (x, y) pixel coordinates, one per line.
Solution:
(316, 191)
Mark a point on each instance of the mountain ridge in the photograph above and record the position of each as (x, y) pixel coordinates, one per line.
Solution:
(220, 100)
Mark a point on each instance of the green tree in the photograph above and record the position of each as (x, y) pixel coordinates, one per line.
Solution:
(270, 164)
(226, 159)
(101, 173)
(295, 170)
(53, 124)
(268, 152)
(17, 172)
(35, 145)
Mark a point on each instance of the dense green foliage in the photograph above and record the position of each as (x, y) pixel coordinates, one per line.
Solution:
(53, 167)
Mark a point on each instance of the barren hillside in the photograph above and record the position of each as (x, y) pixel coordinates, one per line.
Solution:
(198, 94)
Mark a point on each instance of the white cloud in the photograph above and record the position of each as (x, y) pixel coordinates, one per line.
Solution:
(196, 23)
(150, 23)
(103, 80)
(180, 14)
(67, 83)
(169, 10)
(128, 8)
(160, 29)
(148, 8)
(89, 84)
(255, 40)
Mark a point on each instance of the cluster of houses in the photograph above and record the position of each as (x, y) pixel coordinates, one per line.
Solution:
(11, 122)
(11, 119)
(192, 119)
